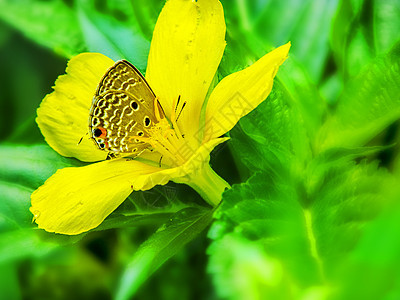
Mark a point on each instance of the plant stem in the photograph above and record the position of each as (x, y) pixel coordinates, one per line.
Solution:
(209, 185)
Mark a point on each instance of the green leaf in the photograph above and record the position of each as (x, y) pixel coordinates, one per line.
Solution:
(350, 43)
(305, 227)
(9, 284)
(368, 105)
(52, 24)
(308, 28)
(30, 166)
(182, 227)
(270, 137)
(153, 207)
(267, 209)
(117, 38)
(24, 168)
(363, 29)
(242, 270)
(372, 270)
(302, 94)
(386, 24)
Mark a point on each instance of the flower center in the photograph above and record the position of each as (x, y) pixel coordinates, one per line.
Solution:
(169, 142)
(166, 138)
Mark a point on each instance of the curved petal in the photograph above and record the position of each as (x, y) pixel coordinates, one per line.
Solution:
(186, 49)
(200, 157)
(241, 92)
(63, 114)
(77, 199)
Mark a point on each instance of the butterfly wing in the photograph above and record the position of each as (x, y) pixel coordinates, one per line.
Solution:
(122, 108)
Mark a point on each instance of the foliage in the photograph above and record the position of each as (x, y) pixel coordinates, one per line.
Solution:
(313, 212)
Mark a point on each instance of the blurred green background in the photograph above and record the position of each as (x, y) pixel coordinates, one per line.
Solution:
(314, 209)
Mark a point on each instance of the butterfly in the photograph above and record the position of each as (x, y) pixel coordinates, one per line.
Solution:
(123, 107)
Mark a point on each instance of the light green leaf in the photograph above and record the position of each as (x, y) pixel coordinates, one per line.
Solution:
(307, 226)
(349, 43)
(368, 105)
(302, 95)
(182, 227)
(113, 37)
(242, 270)
(270, 137)
(386, 24)
(24, 168)
(372, 270)
(267, 211)
(30, 166)
(52, 24)
(306, 24)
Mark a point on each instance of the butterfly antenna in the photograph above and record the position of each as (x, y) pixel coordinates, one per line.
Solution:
(162, 109)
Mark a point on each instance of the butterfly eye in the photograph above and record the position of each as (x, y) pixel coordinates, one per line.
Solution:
(134, 105)
(147, 121)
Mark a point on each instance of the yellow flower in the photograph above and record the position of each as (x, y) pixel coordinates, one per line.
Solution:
(186, 49)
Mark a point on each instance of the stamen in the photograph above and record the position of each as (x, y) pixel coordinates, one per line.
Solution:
(169, 142)
(183, 106)
(174, 119)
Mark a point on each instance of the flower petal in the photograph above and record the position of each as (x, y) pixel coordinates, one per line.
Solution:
(201, 156)
(186, 49)
(241, 92)
(63, 115)
(75, 200)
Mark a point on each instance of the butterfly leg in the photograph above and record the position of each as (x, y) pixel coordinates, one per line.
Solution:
(111, 155)
(82, 138)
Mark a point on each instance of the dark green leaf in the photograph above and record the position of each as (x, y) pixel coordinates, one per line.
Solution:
(183, 227)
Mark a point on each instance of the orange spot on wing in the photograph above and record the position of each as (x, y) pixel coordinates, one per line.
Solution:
(103, 132)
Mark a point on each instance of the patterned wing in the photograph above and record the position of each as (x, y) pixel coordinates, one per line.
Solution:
(122, 108)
